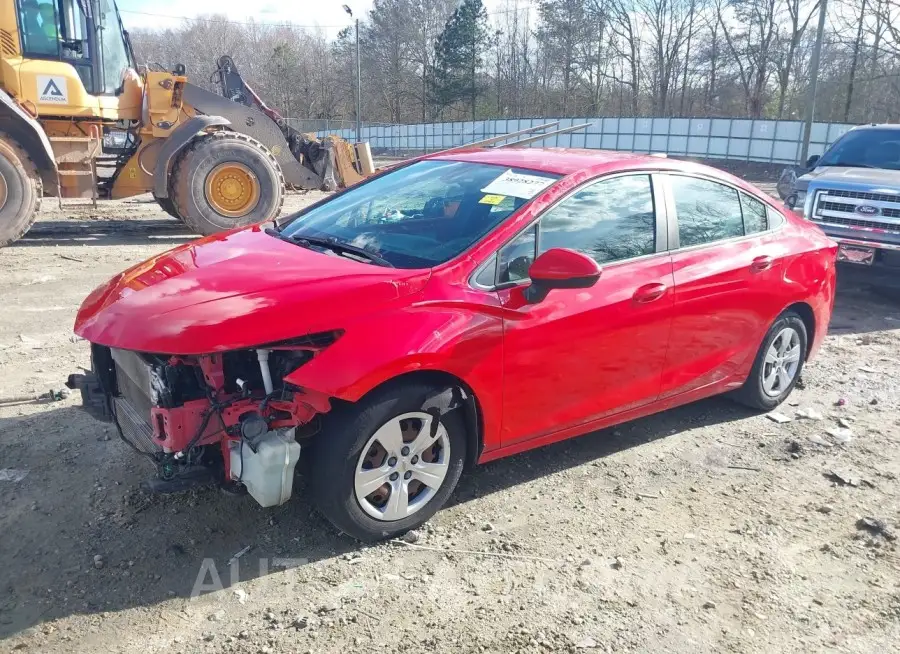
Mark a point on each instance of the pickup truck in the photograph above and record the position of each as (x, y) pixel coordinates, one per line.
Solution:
(853, 193)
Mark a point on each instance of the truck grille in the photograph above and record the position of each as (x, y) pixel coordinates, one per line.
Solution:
(863, 224)
(837, 207)
(851, 208)
(858, 195)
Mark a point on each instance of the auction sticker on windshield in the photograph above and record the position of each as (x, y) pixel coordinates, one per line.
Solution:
(518, 185)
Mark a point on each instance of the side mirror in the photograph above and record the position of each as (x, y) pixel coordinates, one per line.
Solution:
(812, 161)
(560, 268)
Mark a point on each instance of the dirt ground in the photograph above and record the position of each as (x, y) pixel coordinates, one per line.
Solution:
(704, 529)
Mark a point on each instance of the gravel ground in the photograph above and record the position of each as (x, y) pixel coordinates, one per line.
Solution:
(704, 529)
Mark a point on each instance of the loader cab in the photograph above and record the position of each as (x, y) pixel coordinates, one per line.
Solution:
(87, 34)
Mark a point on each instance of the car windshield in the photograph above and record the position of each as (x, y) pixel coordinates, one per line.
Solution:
(420, 215)
(865, 148)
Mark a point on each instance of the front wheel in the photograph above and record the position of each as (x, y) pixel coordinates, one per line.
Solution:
(20, 191)
(225, 180)
(385, 465)
(168, 206)
(778, 364)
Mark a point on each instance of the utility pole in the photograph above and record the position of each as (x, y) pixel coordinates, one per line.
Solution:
(859, 34)
(813, 81)
(474, 53)
(358, 80)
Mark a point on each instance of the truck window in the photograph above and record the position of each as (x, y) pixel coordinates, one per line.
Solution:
(40, 28)
(865, 148)
(112, 45)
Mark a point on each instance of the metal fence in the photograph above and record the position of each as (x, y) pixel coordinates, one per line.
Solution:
(773, 141)
(327, 125)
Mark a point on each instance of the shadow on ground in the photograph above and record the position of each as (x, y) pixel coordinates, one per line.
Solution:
(107, 232)
(863, 304)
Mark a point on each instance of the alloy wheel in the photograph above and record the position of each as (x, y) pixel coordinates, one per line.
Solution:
(782, 362)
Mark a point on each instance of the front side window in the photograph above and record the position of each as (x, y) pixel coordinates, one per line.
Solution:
(40, 28)
(707, 211)
(423, 214)
(517, 256)
(609, 220)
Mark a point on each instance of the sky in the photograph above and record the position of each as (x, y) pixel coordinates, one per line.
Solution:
(326, 14)
(166, 13)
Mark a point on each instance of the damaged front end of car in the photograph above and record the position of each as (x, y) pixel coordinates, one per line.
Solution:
(226, 418)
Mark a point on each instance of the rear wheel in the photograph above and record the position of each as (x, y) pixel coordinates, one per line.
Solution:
(778, 364)
(384, 466)
(226, 180)
(20, 191)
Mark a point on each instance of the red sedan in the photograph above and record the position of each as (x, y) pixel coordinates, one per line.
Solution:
(454, 310)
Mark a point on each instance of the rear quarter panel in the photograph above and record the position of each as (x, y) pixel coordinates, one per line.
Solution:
(808, 276)
(813, 272)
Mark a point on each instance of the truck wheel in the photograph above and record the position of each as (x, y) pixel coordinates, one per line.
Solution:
(21, 190)
(168, 206)
(226, 180)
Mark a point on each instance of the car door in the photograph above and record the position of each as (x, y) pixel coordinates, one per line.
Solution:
(580, 354)
(727, 266)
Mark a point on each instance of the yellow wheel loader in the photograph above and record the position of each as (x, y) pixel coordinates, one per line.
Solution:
(72, 105)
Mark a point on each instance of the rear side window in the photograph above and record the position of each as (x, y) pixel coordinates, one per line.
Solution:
(775, 218)
(755, 215)
(707, 211)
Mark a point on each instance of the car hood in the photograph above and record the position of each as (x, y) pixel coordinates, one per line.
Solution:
(872, 177)
(236, 290)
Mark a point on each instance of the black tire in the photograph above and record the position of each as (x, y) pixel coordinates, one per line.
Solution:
(205, 154)
(752, 393)
(21, 191)
(168, 206)
(335, 453)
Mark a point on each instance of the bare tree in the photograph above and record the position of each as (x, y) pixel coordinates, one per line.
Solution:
(743, 58)
(800, 13)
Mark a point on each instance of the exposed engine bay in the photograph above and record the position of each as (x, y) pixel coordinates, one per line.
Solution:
(227, 418)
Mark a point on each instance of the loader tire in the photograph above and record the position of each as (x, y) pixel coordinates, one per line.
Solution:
(225, 180)
(21, 191)
(168, 206)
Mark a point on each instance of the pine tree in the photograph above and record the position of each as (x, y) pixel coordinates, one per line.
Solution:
(458, 56)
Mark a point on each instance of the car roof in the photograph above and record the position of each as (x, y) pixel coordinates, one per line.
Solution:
(562, 161)
(585, 164)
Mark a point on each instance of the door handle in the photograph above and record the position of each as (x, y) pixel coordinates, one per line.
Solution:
(649, 293)
(761, 263)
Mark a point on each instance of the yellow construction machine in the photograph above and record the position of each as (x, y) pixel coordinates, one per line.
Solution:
(72, 103)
